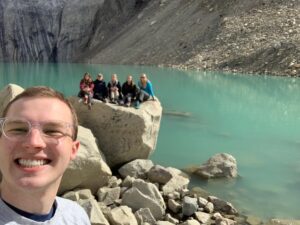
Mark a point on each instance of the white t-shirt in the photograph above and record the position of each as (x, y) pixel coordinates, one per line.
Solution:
(67, 213)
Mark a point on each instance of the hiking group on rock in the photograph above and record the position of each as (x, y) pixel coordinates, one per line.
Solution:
(128, 94)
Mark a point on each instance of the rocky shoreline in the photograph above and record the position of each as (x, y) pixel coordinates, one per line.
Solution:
(144, 193)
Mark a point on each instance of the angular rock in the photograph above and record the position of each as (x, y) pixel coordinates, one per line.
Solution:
(225, 221)
(71, 195)
(217, 215)
(174, 206)
(189, 206)
(128, 133)
(209, 207)
(190, 222)
(137, 168)
(88, 169)
(171, 219)
(122, 216)
(160, 222)
(8, 93)
(108, 195)
(202, 202)
(202, 217)
(174, 195)
(145, 195)
(143, 216)
(114, 182)
(94, 212)
(220, 165)
(159, 174)
(221, 205)
(128, 181)
(178, 182)
(85, 194)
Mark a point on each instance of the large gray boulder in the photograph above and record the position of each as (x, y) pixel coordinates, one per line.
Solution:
(137, 168)
(218, 166)
(88, 169)
(8, 93)
(145, 195)
(123, 134)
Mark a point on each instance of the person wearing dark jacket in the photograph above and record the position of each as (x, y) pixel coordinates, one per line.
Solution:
(129, 91)
(114, 89)
(100, 89)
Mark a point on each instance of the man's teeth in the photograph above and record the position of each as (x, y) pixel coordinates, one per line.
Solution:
(32, 163)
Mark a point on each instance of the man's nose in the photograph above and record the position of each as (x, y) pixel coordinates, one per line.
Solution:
(35, 138)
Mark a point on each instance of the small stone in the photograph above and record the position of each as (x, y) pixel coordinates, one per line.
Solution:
(202, 202)
(85, 194)
(190, 222)
(217, 216)
(202, 217)
(114, 182)
(171, 219)
(189, 206)
(127, 182)
(209, 207)
(175, 195)
(221, 205)
(108, 195)
(184, 192)
(174, 206)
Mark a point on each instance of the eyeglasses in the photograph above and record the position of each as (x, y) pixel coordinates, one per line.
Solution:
(19, 129)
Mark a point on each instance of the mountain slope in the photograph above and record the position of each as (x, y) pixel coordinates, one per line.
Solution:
(258, 36)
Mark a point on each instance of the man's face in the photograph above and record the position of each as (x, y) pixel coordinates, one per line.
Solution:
(35, 163)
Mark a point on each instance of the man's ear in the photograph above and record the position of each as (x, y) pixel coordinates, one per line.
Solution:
(75, 148)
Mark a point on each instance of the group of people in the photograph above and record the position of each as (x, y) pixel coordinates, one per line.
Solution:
(126, 94)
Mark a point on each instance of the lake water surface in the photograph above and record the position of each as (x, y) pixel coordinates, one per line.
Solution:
(254, 118)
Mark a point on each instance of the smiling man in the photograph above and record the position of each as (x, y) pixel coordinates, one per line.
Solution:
(37, 142)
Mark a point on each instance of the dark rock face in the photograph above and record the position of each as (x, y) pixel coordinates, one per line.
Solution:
(57, 30)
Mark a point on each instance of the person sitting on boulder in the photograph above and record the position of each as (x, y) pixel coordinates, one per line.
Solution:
(146, 90)
(129, 91)
(100, 89)
(114, 89)
(86, 89)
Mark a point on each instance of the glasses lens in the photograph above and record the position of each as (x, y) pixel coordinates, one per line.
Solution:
(51, 131)
(14, 129)
(54, 129)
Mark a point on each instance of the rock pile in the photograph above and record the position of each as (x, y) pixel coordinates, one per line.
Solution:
(263, 40)
(136, 195)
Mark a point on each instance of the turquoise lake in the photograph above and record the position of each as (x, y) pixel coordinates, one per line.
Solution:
(254, 118)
